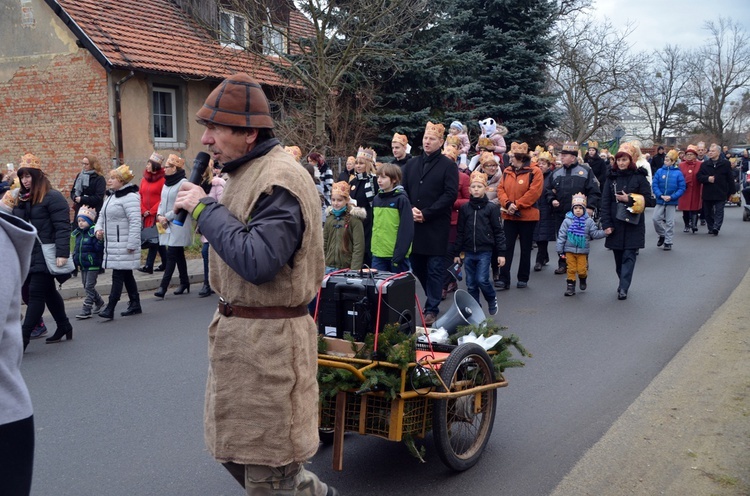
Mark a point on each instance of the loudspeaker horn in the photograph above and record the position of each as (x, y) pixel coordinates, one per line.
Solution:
(465, 311)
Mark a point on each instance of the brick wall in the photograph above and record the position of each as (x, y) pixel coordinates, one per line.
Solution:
(59, 112)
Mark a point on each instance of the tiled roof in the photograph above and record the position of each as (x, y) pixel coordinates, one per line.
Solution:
(158, 36)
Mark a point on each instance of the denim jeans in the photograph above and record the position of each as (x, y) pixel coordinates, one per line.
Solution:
(429, 270)
(477, 269)
(204, 254)
(385, 264)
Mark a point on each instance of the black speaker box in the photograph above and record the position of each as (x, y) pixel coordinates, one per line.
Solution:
(348, 303)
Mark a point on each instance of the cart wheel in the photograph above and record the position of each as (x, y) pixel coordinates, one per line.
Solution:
(326, 436)
(462, 426)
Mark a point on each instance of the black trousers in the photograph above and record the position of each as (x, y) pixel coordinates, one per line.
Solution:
(524, 232)
(17, 457)
(151, 256)
(624, 266)
(175, 258)
(119, 278)
(42, 291)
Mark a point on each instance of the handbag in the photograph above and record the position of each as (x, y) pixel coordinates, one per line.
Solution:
(149, 236)
(626, 215)
(50, 258)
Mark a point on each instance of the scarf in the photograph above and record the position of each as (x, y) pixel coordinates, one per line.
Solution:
(577, 230)
(175, 178)
(338, 212)
(82, 181)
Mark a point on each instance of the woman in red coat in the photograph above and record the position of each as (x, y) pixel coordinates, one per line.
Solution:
(462, 197)
(151, 185)
(690, 202)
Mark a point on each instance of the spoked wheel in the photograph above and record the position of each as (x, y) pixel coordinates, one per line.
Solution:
(462, 426)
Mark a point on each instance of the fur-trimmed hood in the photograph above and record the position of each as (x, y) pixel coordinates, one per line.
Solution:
(355, 211)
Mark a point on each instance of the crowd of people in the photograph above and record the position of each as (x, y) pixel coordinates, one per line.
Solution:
(419, 213)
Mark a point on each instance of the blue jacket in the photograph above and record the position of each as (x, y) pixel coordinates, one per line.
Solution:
(668, 181)
(88, 251)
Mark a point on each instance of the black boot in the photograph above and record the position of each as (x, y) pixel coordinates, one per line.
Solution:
(160, 293)
(562, 266)
(63, 330)
(134, 306)
(109, 311)
(582, 283)
(182, 289)
(205, 291)
(571, 288)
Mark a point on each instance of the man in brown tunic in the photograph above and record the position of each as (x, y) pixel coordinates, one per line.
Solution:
(266, 262)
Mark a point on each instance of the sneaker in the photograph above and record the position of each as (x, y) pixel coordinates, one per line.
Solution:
(667, 247)
(39, 331)
(492, 307)
(84, 315)
(98, 307)
(687, 229)
(522, 284)
(661, 241)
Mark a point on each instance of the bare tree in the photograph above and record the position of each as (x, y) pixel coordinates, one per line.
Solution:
(661, 90)
(593, 73)
(723, 73)
(340, 35)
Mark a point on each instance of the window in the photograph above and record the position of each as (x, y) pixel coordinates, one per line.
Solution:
(274, 40)
(165, 116)
(233, 29)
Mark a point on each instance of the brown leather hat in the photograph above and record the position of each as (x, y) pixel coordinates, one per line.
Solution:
(238, 101)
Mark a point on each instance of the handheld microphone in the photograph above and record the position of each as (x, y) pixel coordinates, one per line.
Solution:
(199, 167)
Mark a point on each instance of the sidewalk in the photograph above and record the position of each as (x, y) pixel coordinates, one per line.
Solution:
(73, 288)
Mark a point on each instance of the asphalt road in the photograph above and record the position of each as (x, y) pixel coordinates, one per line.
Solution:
(119, 409)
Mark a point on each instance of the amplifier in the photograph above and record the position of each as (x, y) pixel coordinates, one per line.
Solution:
(348, 303)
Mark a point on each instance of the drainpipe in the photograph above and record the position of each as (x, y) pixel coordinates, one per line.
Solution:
(118, 118)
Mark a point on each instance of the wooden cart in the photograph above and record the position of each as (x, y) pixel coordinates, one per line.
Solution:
(460, 410)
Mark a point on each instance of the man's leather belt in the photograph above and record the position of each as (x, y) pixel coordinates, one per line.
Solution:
(228, 310)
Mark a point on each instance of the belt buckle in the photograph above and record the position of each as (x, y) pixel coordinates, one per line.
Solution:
(225, 308)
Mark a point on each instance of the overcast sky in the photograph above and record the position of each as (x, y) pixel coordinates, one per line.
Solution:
(676, 22)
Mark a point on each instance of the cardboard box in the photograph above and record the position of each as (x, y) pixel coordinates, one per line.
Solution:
(341, 347)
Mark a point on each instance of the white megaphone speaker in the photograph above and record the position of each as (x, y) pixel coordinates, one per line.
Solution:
(465, 311)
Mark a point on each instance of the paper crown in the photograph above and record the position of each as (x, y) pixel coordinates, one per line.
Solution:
(673, 155)
(400, 138)
(156, 158)
(9, 198)
(88, 212)
(123, 173)
(176, 160)
(570, 147)
(453, 140)
(451, 152)
(487, 158)
(579, 199)
(341, 188)
(692, 149)
(629, 149)
(478, 177)
(485, 142)
(522, 148)
(30, 161)
(367, 153)
(539, 149)
(436, 130)
(294, 151)
(546, 156)
(639, 203)
(593, 144)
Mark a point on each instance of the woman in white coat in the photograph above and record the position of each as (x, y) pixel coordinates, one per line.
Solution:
(174, 237)
(119, 225)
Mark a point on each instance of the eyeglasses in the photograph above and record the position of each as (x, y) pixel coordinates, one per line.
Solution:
(170, 166)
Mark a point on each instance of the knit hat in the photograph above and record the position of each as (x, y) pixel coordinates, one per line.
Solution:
(238, 101)
(294, 151)
(367, 153)
(436, 130)
(478, 177)
(487, 157)
(673, 155)
(457, 125)
(30, 161)
(88, 213)
(156, 158)
(123, 173)
(522, 148)
(579, 199)
(570, 148)
(400, 138)
(175, 160)
(341, 188)
(692, 149)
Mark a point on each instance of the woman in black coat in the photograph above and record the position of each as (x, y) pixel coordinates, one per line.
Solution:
(624, 239)
(544, 232)
(89, 186)
(47, 210)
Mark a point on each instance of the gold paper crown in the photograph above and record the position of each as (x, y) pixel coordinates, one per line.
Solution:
(579, 199)
(539, 149)
(486, 158)
(522, 148)
(88, 212)
(176, 160)
(478, 177)
(639, 203)
(124, 173)
(570, 147)
(156, 158)
(451, 152)
(9, 198)
(629, 149)
(294, 151)
(400, 138)
(453, 140)
(593, 144)
(341, 188)
(30, 161)
(436, 130)
(545, 156)
(485, 142)
(367, 153)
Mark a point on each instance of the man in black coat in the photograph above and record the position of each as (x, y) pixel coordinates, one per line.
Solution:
(658, 161)
(718, 185)
(398, 147)
(431, 181)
